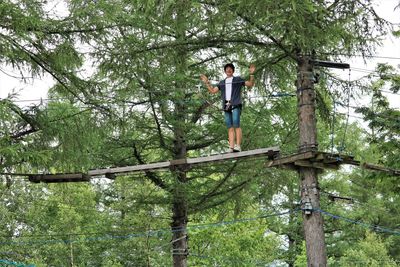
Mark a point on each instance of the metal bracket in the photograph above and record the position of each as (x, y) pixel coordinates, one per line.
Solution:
(307, 208)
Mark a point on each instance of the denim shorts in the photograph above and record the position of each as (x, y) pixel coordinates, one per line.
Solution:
(232, 118)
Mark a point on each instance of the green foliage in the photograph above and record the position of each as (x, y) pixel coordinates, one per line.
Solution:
(301, 259)
(142, 105)
(371, 252)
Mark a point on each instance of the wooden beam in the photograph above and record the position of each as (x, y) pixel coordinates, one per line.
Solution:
(271, 151)
(290, 159)
(59, 178)
(317, 165)
(329, 64)
(334, 158)
(374, 167)
(111, 173)
(313, 159)
(130, 169)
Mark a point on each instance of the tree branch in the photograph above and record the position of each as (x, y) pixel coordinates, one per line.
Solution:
(215, 189)
(152, 176)
(234, 190)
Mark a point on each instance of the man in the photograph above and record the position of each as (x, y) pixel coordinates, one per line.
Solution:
(230, 89)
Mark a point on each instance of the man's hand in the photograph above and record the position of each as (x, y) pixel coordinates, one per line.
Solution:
(250, 82)
(252, 69)
(210, 88)
(204, 78)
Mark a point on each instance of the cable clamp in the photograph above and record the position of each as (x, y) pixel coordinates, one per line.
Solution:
(308, 208)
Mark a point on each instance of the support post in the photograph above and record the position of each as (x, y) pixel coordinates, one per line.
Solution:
(310, 198)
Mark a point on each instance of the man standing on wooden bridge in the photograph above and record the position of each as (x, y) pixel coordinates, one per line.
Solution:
(231, 88)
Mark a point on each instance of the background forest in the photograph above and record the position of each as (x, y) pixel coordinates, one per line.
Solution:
(127, 92)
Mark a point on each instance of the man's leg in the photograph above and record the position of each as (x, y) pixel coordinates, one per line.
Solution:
(231, 130)
(231, 137)
(236, 124)
(238, 136)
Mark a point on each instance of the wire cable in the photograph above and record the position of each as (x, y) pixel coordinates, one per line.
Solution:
(333, 125)
(359, 55)
(228, 259)
(343, 144)
(12, 263)
(170, 243)
(375, 228)
(150, 233)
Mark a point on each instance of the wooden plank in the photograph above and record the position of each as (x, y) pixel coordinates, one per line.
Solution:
(336, 158)
(189, 161)
(233, 156)
(320, 160)
(351, 162)
(317, 165)
(381, 168)
(54, 178)
(320, 156)
(290, 159)
(129, 169)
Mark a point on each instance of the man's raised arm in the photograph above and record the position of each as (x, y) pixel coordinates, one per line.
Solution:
(250, 82)
(210, 88)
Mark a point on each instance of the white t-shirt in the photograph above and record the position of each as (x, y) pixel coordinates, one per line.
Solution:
(228, 88)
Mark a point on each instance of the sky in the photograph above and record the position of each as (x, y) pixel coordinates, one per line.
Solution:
(388, 53)
(36, 88)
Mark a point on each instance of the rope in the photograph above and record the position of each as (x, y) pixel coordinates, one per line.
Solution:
(333, 126)
(342, 147)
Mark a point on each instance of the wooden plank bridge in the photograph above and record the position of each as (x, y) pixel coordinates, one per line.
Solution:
(111, 173)
(311, 159)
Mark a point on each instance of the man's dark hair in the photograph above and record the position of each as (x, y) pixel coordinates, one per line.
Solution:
(229, 65)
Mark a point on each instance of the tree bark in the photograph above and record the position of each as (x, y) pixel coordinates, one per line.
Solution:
(179, 232)
(180, 203)
(312, 220)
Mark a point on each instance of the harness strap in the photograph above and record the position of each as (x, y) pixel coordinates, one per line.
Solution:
(228, 107)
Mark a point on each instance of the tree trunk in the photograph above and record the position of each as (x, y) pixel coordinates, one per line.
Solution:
(312, 220)
(180, 203)
(179, 232)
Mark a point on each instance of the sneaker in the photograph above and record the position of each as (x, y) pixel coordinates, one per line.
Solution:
(230, 150)
(237, 148)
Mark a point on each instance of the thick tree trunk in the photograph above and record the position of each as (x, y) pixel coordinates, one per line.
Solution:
(179, 206)
(179, 233)
(180, 203)
(312, 220)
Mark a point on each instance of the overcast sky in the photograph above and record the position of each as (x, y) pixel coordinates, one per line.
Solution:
(33, 89)
(388, 53)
